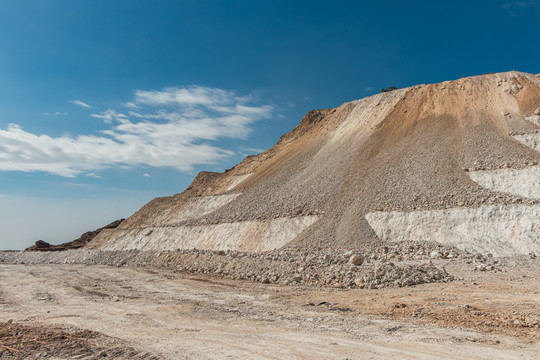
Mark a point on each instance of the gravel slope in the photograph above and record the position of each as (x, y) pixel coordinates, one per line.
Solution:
(405, 150)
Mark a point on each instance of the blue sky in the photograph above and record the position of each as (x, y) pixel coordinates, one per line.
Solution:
(105, 105)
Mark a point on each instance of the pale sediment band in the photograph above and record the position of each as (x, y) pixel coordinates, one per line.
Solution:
(502, 230)
(253, 235)
(199, 207)
(534, 119)
(522, 182)
(237, 180)
(531, 140)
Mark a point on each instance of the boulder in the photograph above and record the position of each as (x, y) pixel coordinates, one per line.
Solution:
(357, 260)
(40, 244)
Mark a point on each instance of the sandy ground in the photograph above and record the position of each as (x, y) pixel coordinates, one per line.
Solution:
(158, 313)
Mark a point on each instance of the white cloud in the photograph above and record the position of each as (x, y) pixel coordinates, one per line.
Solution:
(109, 115)
(146, 175)
(72, 184)
(94, 175)
(192, 96)
(58, 113)
(172, 128)
(80, 103)
(131, 105)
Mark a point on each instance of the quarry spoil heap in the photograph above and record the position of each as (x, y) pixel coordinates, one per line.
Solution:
(455, 162)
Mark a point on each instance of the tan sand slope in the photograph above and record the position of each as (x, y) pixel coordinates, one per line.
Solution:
(421, 163)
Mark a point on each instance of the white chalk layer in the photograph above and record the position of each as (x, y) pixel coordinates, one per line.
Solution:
(200, 207)
(250, 235)
(497, 229)
(531, 140)
(523, 182)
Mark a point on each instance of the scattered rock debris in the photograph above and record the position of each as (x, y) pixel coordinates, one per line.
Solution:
(18, 341)
(396, 265)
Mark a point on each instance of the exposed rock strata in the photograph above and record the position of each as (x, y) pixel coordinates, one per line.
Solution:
(520, 182)
(251, 235)
(500, 230)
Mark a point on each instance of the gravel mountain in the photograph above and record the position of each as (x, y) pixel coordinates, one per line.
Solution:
(455, 162)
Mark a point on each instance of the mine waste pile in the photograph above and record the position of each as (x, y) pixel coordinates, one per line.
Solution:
(354, 195)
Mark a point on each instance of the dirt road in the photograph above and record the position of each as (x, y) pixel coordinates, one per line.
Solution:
(177, 316)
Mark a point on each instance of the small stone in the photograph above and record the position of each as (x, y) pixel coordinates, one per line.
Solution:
(147, 232)
(357, 260)
(537, 111)
(481, 267)
(435, 255)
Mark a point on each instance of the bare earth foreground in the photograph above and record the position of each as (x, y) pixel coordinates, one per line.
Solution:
(88, 312)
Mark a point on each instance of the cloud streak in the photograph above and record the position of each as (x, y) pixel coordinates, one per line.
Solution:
(515, 5)
(80, 103)
(175, 128)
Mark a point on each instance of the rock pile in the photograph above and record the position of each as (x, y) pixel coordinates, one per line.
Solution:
(485, 263)
(389, 274)
(393, 266)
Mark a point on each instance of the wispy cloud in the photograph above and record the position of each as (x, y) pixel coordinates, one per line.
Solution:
(80, 103)
(174, 127)
(512, 5)
(525, 3)
(253, 150)
(109, 116)
(146, 175)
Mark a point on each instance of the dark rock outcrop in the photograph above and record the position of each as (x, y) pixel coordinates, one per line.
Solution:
(85, 238)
